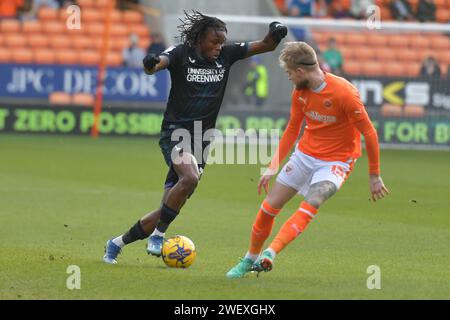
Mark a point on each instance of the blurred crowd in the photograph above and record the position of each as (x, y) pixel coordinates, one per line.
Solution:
(357, 9)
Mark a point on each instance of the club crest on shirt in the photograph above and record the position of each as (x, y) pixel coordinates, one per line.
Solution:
(327, 103)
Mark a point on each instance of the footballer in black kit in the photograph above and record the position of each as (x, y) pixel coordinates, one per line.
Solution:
(199, 69)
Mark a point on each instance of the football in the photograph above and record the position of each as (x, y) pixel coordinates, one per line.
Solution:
(178, 252)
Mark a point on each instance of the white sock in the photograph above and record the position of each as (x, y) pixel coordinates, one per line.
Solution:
(272, 252)
(158, 233)
(251, 256)
(118, 241)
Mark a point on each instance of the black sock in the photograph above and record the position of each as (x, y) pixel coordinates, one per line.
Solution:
(135, 233)
(167, 216)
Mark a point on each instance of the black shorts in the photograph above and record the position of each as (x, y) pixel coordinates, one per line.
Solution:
(167, 145)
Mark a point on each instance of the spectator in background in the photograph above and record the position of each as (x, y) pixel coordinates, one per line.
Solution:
(133, 55)
(9, 9)
(426, 11)
(430, 68)
(358, 8)
(300, 8)
(401, 10)
(157, 46)
(333, 57)
(257, 83)
(281, 5)
(338, 10)
(322, 8)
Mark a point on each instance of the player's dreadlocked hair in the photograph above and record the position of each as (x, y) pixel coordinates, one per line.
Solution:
(194, 26)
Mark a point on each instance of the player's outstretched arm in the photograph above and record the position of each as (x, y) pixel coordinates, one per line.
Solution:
(276, 33)
(153, 63)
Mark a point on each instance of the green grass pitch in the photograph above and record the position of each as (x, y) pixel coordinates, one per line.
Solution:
(61, 198)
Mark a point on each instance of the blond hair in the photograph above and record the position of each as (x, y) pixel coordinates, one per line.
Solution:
(298, 55)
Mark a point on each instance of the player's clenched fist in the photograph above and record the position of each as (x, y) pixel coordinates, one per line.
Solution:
(150, 61)
(277, 31)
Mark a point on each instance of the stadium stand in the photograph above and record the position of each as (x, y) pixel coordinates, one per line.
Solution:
(48, 40)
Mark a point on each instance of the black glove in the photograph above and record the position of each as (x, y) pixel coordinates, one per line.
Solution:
(277, 31)
(150, 61)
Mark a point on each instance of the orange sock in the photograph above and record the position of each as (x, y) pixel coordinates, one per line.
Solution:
(262, 227)
(295, 225)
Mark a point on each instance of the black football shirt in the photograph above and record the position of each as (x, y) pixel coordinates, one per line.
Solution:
(198, 85)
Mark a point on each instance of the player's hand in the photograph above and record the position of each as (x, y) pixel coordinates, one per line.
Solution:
(150, 61)
(264, 181)
(377, 188)
(277, 31)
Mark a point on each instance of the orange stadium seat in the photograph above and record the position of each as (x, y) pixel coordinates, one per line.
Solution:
(413, 69)
(114, 59)
(407, 55)
(60, 42)
(378, 40)
(355, 39)
(372, 68)
(118, 44)
(419, 41)
(395, 69)
(96, 29)
(133, 17)
(140, 29)
(320, 38)
(414, 111)
(119, 30)
(90, 15)
(89, 57)
(83, 99)
(32, 27)
(5, 55)
(347, 52)
(22, 56)
(364, 53)
(440, 4)
(398, 41)
(117, 16)
(14, 40)
(46, 14)
(101, 3)
(86, 3)
(443, 15)
(9, 26)
(391, 110)
(440, 42)
(80, 42)
(67, 57)
(144, 42)
(37, 41)
(60, 98)
(352, 67)
(54, 27)
(442, 56)
(45, 56)
(386, 54)
(338, 36)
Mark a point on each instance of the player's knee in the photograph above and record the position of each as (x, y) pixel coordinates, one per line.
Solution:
(315, 201)
(189, 182)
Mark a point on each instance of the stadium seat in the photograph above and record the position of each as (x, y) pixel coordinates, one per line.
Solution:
(81, 42)
(405, 54)
(45, 56)
(440, 42)
(391, 110)
(442, 56)
(355, 39)
(86, 3)
(372, 68)
(413, 69)
(395, 69)
(347, 52)
(144, 43)
(37, 41)
(5, 55)
(119, 43)
(83, 99)
(22, 56)
(89, 57)
(114, 59)
(46, 14)
(101, 3)
(133, 17)
(91, 15)
(443, 15)
(31, 27)
(119, 30)
(398, 41)
(96, 29)
(117, 16)
(364, 53)
(54, 27)
(352, 67)
(9, 26)
(414, 111)
(385, 54)
(140, 29)
(14, 40)
(422, 42)
(378, 40)
(67, 57)
(59, 98)
(60, 42)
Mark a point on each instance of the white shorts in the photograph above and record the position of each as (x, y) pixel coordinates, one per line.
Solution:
(302, 171)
